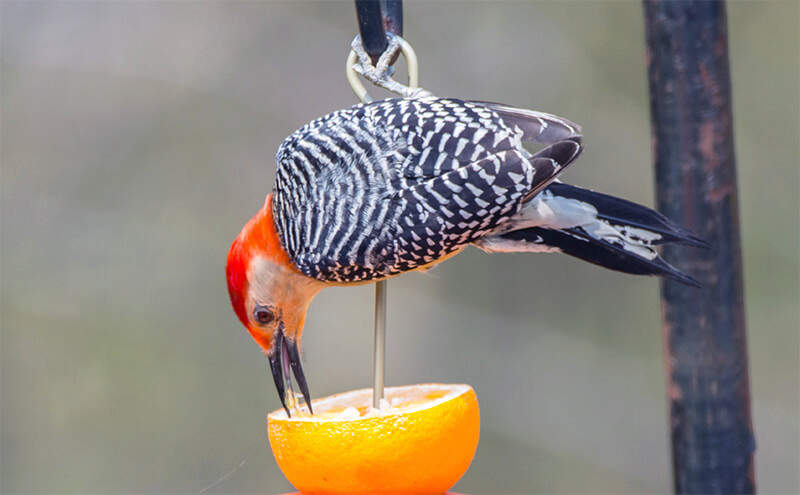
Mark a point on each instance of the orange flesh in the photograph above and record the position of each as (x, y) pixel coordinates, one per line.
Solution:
(397, 405)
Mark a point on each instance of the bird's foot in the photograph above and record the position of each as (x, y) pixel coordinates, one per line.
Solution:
(381, 74)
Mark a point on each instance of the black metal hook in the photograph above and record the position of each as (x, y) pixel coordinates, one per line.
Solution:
(375, 19)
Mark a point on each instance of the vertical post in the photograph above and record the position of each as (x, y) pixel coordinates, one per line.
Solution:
(704, 329)
(375, 19)
(379, 363)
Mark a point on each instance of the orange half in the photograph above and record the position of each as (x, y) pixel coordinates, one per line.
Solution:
(421, 442)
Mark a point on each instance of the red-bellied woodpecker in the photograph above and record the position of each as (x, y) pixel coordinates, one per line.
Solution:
(383, 188)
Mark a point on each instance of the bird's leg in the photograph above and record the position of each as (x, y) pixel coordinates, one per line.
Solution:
(380, 74)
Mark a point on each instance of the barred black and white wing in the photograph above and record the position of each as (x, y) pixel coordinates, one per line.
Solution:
(379, 189)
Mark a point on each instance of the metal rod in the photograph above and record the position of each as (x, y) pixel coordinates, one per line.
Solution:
(704, 329)
(375, 19)
(379, 362)
(370, 25)
(392, 12)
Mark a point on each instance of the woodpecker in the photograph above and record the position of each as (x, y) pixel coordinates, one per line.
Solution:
(383, 188)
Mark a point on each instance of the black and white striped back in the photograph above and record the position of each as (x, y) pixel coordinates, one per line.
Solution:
(386, 187)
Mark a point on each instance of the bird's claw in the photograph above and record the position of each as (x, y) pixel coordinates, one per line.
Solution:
(381, 73)
(284, 355)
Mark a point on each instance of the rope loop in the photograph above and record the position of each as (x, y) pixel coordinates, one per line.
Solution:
(380, 74)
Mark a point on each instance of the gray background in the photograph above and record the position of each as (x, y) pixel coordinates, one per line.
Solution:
(138, 137)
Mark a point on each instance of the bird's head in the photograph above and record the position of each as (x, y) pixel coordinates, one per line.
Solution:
(270, 297)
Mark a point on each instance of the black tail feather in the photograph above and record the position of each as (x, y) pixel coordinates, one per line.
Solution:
(623, 212)
(621, 235)
(577, 243)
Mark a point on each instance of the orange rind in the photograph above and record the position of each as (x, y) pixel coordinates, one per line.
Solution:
(421, 442)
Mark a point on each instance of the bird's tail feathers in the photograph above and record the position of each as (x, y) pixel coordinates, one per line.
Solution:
(622, 212)
(598, 228)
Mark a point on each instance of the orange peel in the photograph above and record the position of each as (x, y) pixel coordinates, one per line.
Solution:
(422, 442)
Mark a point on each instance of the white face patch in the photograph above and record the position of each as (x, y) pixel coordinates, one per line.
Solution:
(285, 291)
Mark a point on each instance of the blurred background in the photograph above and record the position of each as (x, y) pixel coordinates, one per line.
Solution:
(138, 137)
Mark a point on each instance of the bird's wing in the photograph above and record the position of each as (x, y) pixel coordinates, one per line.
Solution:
(388, 187)
(444, 213)
(330, 208)
(563, 136)
(466, 172)
(536, 126)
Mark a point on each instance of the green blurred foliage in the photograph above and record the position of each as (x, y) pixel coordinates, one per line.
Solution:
(138, 137)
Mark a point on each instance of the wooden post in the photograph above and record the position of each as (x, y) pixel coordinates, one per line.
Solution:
(704, 329)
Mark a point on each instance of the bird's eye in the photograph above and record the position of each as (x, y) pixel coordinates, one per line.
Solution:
(263, 315)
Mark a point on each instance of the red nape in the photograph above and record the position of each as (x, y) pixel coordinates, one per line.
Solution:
(258, 237)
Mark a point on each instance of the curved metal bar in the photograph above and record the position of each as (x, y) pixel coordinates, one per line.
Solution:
(352, 78)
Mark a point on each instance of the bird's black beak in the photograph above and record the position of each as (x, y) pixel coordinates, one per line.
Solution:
(284, 355)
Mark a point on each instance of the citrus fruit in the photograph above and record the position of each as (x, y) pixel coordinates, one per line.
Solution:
(420, 442)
